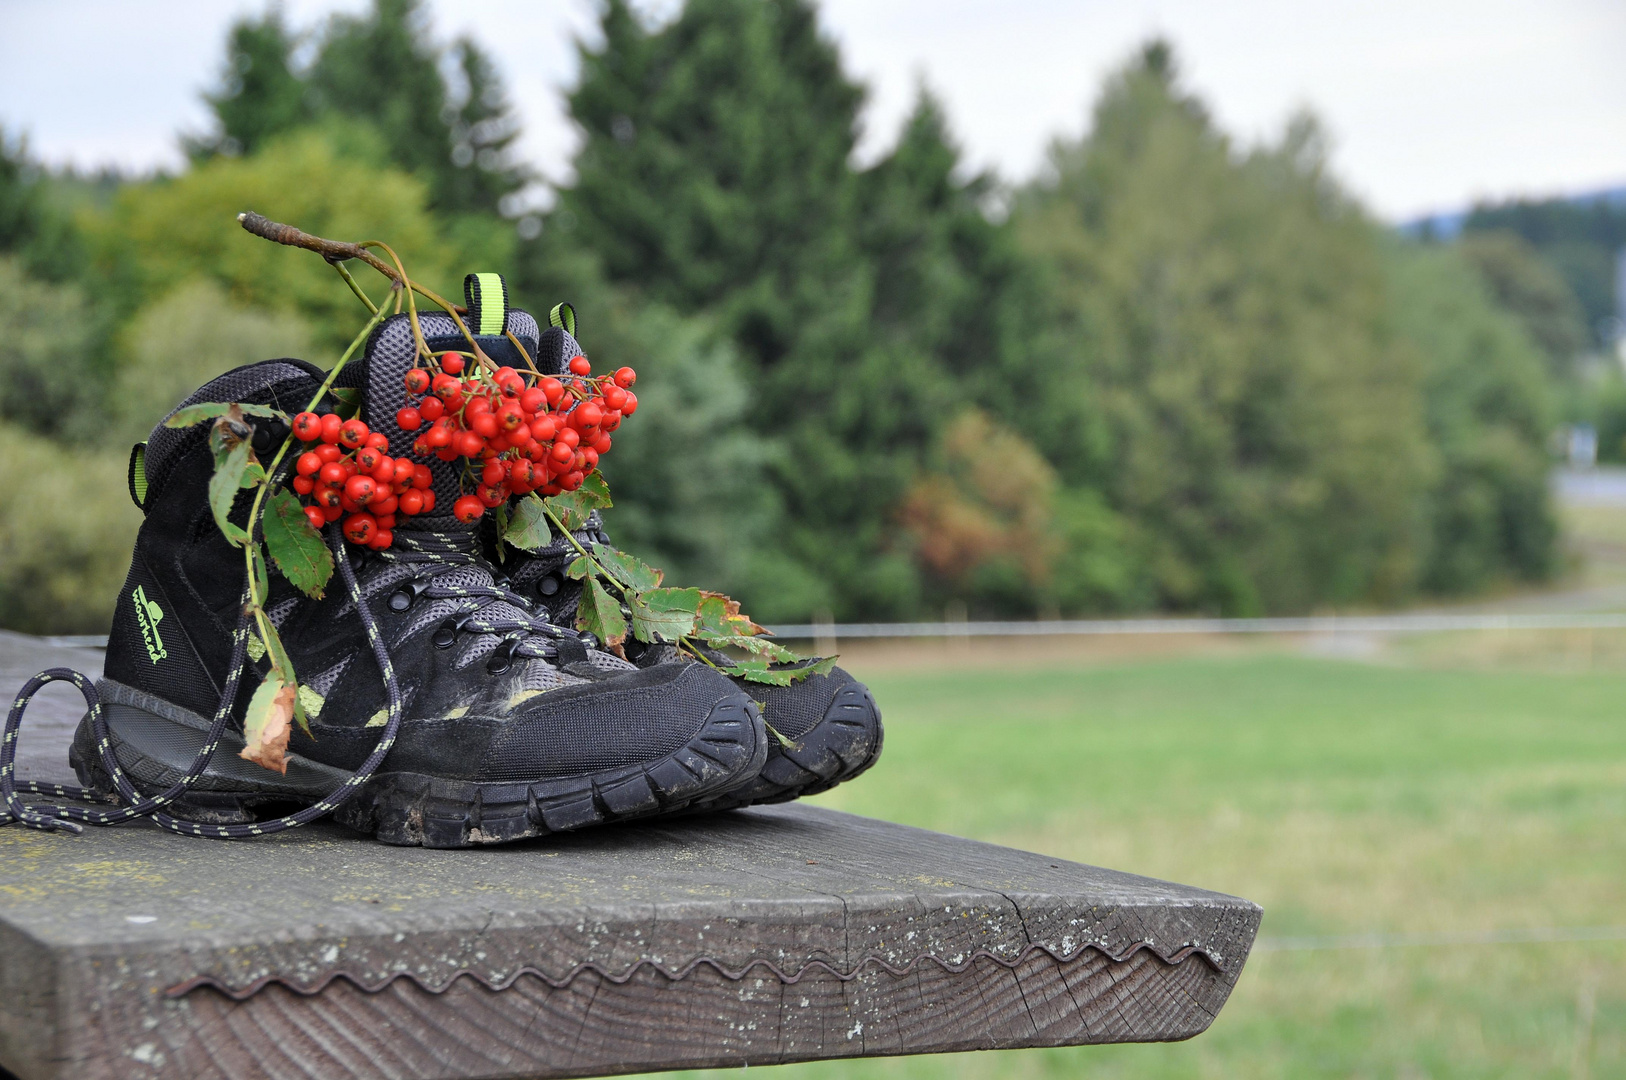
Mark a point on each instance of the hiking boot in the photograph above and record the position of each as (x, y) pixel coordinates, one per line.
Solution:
(831, 721)
(511, 727)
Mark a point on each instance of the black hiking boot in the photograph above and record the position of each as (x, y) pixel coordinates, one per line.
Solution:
(511, 727)
(831, 721)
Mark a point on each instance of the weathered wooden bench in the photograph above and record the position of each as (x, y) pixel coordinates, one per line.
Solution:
(757, 937)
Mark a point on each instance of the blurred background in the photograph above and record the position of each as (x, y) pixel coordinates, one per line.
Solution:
(974, 310)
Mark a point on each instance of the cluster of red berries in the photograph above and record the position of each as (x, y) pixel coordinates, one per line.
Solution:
(349, 474)
(516, 436)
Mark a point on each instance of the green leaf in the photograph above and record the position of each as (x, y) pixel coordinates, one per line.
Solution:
(629, 571)
(599, 615)
(663, 614)
(297, 547)
(348, 398)
(822, 666)
(527, 527)
(572, 507)
(580, 567)
(262, 579)
(760, 646)
(224, 486)
(759, 671)
(211, 410)
(252, 476)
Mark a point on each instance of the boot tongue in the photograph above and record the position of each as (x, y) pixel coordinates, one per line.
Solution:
(391, 353)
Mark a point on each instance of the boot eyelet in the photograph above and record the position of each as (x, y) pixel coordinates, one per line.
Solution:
(501, 660)
(548, 585)
(400, 600)
(445, 636)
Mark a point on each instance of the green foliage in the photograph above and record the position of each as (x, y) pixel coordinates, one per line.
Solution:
(1225, 319)
(1489, 409)
(66, 529)
(52, 367)
(175, 345)
(1579, 239)
(1528, 288)
(383, 69)
(331, 181)
(260, 96)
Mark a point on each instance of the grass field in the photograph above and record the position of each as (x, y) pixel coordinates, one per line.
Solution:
(1346, 798)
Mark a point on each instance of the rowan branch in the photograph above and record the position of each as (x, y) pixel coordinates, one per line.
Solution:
(331, 250)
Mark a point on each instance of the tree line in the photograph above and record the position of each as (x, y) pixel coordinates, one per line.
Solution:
(1170, 372)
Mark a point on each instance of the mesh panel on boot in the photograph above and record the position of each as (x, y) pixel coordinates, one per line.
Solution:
(276, 382)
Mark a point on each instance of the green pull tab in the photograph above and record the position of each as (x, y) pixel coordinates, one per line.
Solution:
(564, 317)
(138, 475)
(487, 297)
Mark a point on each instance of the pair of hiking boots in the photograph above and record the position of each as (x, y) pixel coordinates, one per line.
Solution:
(511, 723)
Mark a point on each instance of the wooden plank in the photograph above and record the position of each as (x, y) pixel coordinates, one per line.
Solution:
(763, 936)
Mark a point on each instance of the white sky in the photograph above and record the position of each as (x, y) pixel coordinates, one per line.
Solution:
(1431, 103)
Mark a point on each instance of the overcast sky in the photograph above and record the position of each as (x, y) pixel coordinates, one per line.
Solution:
(1431, 103)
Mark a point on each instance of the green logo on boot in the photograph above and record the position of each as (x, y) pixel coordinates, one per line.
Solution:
(149, 615)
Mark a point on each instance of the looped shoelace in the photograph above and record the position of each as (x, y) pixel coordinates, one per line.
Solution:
(50, 817)
(532, 636)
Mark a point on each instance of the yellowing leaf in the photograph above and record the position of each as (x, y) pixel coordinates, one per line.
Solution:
(267, 725)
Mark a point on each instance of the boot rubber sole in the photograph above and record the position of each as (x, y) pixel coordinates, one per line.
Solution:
(155, 742)
(844, 743)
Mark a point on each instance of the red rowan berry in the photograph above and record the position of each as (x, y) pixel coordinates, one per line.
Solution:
(570, 438)
(588, 414)
(468, 509)
(308, 426)
(304, 485)
(328, 452)
(330, 427)
(431, 409)
(533, 399)
(308, 464)
(625, 377)
(329, 498)
(484, 424)
(332, 473)
(468, 443)
(381, 540)
(359, 528)
(614, 397)
(314, 516)
(367, 459)
(552, 390)
(410, 502)
(360, 489)
(404, 471)
(561, 452)
(451, 364)
(409, 419)
(632, 404)
(422, 477)
(383, 507)
(493, 473)
(353, 433)
(581, 365)
(417, 380)
(428, 501)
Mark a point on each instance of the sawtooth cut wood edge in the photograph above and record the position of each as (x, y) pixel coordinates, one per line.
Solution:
(771, 935)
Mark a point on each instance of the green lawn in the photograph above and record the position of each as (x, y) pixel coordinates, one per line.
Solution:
(1343, 797)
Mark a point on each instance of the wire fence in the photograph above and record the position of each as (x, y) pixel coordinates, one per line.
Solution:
(1341, 624)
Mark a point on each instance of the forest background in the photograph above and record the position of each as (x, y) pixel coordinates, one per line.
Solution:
(1170, 373)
